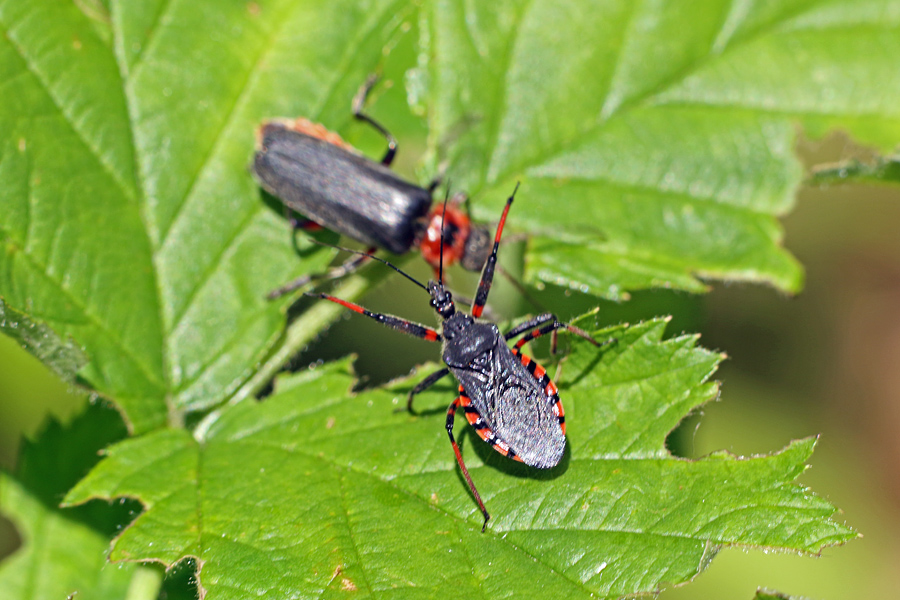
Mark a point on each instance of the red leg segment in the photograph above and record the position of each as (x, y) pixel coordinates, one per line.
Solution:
(408, 327)
(451, 412)
(487, 276)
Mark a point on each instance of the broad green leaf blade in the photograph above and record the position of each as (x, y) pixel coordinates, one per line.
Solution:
(313, 491)
(64, 550)
(61, 555)
(654, 144)
(71, 224)
(128, 218)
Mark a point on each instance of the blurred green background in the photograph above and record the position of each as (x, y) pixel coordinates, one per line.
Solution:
(824, 362)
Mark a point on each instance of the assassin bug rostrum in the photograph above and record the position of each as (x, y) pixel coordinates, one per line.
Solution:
(506, 396)
(315, 173)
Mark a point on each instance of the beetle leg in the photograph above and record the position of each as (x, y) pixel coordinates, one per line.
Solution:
(300, 223)
(348, 266)
(359, 102)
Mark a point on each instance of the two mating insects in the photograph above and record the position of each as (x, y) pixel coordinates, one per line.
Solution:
(315, 173)
(506, 396)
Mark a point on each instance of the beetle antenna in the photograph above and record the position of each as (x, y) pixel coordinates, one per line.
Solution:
(373, 257)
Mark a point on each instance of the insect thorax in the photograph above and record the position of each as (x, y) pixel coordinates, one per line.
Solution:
(467, 342)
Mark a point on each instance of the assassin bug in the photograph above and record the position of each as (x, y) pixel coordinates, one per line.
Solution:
(316, 173)
(506, 396)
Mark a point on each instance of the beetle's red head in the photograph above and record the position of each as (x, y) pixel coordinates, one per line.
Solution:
(464, 242)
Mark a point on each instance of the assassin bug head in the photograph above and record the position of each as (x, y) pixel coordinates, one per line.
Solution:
(441, 299)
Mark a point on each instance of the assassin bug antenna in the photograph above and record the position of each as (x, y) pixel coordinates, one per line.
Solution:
(368, 255)
(507, 397)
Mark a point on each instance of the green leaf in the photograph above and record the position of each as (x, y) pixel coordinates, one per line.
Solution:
(63, 550)
(128, 219)
(658, 139)
(314, 491)
(655, 146)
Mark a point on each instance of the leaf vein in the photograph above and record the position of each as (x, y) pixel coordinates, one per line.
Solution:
(107, 167)
(149, 39)
(503, 97)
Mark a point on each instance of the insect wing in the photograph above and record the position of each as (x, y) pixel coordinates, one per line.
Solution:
(339, 189)
(514, 406)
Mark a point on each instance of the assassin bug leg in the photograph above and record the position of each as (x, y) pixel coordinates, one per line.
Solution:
(424, 385)
(408, 327)
(487, 276)
(451, 415)
(546, 318)
(552, 328)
